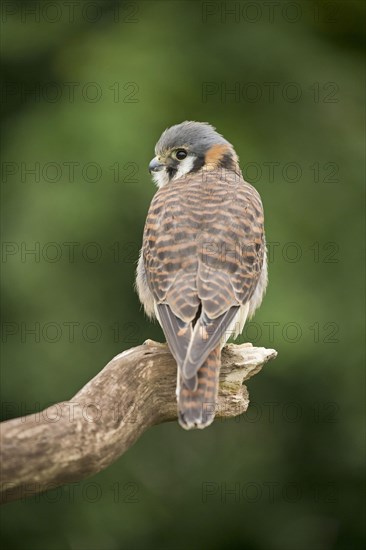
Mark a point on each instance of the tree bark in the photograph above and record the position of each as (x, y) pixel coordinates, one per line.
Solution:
(75, 439)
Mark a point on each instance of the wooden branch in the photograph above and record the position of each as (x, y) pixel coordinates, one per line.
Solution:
(75, 439)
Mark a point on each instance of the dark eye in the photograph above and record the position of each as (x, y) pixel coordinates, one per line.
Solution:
(181, 154)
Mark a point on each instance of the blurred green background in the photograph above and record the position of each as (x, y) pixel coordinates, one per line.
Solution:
(88, 87)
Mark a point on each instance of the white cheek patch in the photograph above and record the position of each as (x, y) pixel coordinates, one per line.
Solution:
(160, 178)
(184, 167)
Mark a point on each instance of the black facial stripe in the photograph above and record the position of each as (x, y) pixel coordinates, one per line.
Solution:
(171, 171)
(227, 162)
(198, 163)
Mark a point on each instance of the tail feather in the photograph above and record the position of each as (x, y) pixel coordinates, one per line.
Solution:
(196, 407)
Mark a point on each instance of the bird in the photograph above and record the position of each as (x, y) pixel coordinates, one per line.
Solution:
(202, 269)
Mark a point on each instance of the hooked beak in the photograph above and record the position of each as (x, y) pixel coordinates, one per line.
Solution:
(155, 165)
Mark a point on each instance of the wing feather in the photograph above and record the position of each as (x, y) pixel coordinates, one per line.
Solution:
(203, 255)
(177, 332)
(206, 336)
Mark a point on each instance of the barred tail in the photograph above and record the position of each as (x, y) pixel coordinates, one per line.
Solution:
(196, 407)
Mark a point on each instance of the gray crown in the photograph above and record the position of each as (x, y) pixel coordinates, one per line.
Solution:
(199, 136)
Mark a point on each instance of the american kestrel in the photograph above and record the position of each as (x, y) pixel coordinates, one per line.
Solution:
(202, 270)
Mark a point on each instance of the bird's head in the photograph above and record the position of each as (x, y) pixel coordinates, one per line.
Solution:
(189, 147)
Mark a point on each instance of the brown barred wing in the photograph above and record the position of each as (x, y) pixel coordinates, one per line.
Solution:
(203, 253)
(232, 249)
(170, 253)
(171, 263)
